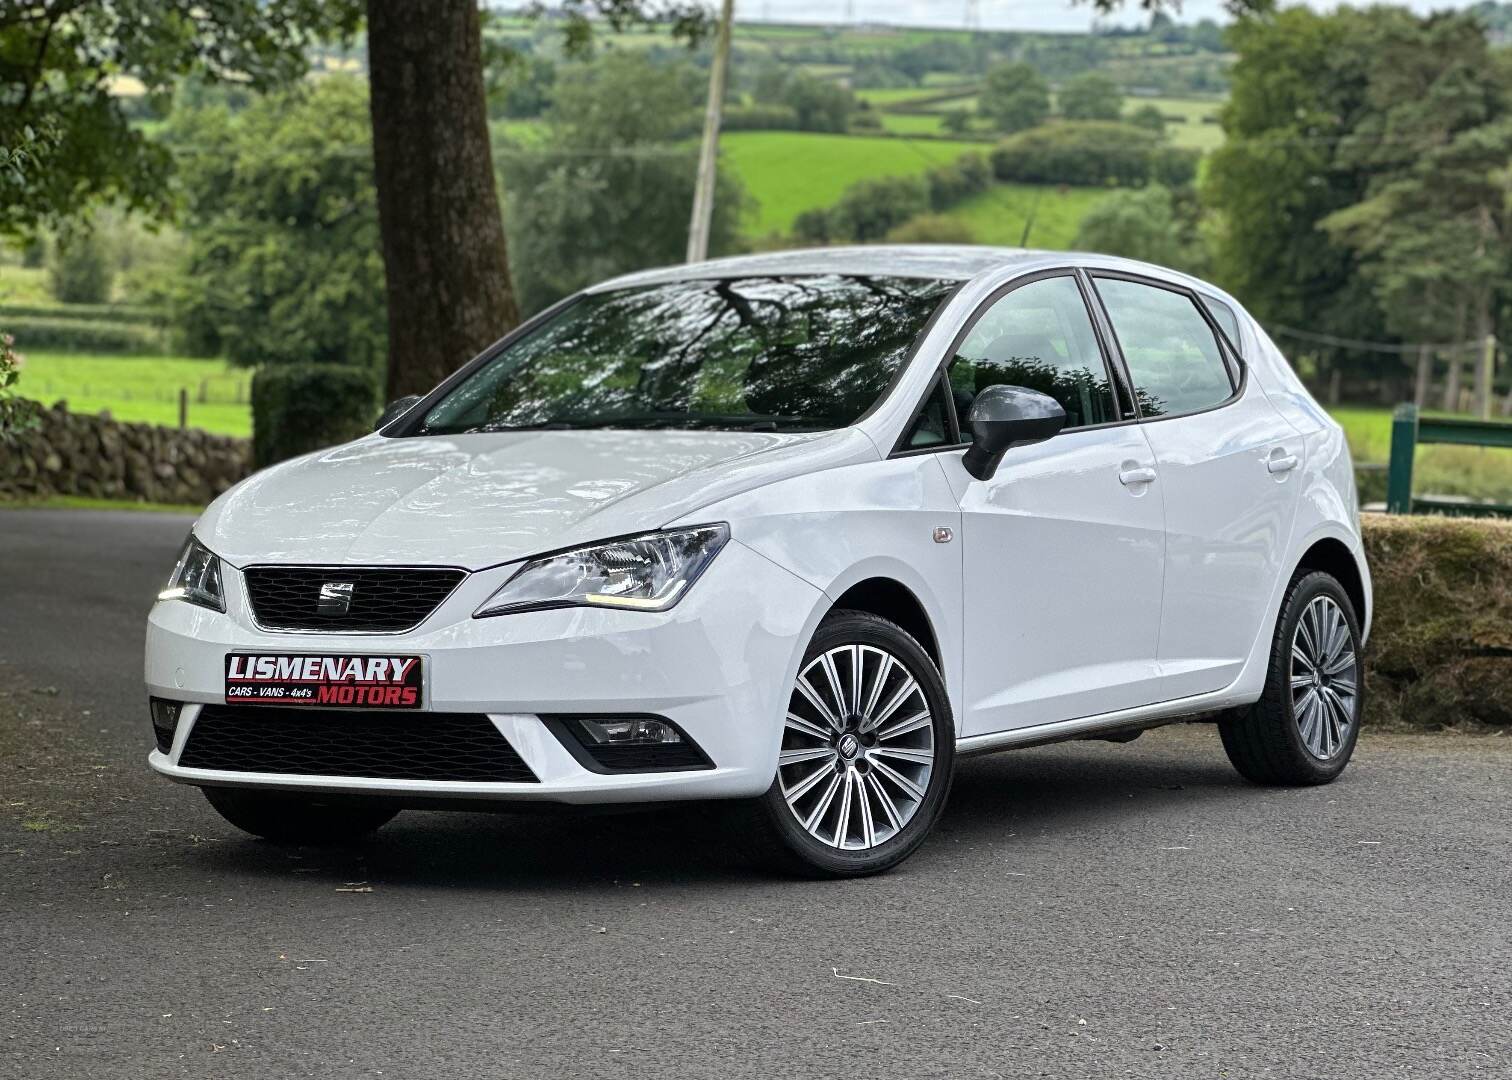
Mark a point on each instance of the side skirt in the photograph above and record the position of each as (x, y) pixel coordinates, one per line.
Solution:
(1202, 707)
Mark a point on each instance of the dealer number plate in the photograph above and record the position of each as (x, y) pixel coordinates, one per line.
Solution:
(325, 679)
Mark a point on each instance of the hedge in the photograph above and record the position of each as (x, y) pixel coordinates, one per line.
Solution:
(122, 313)
(1090, 153)
(760, 118)
(1440, 652)
(82, 335)
(297, 408)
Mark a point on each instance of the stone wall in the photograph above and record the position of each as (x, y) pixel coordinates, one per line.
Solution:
(66, 453)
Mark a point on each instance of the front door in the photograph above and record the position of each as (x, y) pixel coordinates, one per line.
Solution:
(1062, 549)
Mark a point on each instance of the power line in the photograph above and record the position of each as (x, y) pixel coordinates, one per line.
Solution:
(1360, 345)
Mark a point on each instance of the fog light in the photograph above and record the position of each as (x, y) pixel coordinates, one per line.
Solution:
(165, 716)
(632, 732)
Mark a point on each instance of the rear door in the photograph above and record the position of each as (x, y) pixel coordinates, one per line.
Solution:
(1226, 464)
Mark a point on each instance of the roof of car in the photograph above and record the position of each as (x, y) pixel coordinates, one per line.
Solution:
(940, 262)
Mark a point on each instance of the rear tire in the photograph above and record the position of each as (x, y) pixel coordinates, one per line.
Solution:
(1304, 727)
(299, 819)
(865, 764)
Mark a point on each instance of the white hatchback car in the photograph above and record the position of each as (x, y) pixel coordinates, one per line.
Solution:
(794, 529)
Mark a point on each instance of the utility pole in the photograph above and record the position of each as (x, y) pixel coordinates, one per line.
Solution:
(708, 156)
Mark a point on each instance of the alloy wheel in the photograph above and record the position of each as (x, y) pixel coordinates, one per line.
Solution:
(1325, 675)
(858, 747)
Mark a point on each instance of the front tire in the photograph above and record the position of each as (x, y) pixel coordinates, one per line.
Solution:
(1305, 725)
(867, 756)
(299, 819)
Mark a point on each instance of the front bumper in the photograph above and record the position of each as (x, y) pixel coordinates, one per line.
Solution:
(719, 665)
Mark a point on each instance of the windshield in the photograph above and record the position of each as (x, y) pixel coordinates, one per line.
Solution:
(744, 354)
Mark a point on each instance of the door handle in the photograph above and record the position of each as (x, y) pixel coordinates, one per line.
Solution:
(1282, 463)
(1144, 475)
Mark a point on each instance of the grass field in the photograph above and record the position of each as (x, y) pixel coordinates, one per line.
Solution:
(23, 285)
(143, 389)
(1184, 120)
(789, 172)
(1478, 472)
(997, 216)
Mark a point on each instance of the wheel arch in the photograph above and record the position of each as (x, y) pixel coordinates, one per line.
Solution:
(1332, 556)
(890, 599)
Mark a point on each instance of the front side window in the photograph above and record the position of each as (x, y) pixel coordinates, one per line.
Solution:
(1038, 336)
(1171, 352)
(805, 353)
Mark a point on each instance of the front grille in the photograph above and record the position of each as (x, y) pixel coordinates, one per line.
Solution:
(387, 746)
(382, 599)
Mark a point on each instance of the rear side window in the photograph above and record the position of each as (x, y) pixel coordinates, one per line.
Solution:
(1172, 353)
(1038, 336)
(1224, 316)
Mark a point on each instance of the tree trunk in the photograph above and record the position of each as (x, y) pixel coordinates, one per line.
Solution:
(444, 254)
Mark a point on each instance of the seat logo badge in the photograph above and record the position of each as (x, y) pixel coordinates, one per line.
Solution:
(943, 535)
(335, 598)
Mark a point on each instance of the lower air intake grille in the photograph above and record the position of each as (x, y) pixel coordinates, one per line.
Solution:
(378, 599)
(387, 746)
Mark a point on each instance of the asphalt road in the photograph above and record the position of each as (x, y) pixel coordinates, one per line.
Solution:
(1086, 910)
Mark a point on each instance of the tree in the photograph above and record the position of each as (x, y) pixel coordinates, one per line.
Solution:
(444, 254)
(1091, 96)
(80, 270)
(1015, 97)
(1299, 88)
(1134, 224)
(1432, 227)
(957, 121)
(610, 186)
(56, 61)
(281, 223)
(1148, 117)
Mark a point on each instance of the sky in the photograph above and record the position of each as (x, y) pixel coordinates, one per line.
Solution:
(994, 14)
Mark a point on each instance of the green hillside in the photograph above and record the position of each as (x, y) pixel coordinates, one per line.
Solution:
(789, 172)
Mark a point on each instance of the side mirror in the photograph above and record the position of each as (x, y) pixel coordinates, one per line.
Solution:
(395, 410)
(1003, 417)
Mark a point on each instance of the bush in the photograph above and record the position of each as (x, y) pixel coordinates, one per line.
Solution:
(760, 118)
(1440, 652)
(83, 335)
(968, 175)
(870, 209)
(297, 408)
(81, 272)
(932, 229)
(1091, 152)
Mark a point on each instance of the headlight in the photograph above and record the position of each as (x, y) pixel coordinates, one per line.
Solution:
(196, 578)
(645, 573)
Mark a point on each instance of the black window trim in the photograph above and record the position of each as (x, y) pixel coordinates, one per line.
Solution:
(1234, 365)
(1112, 365)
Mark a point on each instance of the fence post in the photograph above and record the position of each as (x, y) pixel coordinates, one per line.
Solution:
(183, 407)
(1404, 423)
(1484, 375)
(1424, 377)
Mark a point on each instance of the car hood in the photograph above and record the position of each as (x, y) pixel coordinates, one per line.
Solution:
(481, 500)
